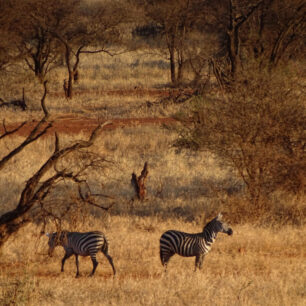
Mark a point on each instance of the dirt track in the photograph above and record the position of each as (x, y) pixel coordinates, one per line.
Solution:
(74, 124)
(71, 124)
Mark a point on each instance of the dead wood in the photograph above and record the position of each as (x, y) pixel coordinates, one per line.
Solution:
(139, 182)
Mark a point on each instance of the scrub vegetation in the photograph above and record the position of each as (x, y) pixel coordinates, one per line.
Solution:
(208, 95)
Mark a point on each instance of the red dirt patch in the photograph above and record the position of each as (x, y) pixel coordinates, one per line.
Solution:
(138, 92)
(71, 124)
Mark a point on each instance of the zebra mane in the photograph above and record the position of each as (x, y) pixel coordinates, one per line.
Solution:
(49, 234)
(213, 222)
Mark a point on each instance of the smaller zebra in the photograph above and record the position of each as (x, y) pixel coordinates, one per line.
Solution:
(83, 244)
(188, 245)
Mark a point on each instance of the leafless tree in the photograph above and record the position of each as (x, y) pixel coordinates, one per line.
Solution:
(96, 31)
(173, 21)
(257, 34)
(44, 33)
(28, 23)
(8, 52)
(40, 186)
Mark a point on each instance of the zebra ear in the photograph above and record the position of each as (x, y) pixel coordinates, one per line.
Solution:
(219, 216)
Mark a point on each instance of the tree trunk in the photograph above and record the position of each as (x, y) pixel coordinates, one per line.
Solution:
(171, 48)
(233, 46)
(139, 182)
(172, 65)
(180, 57)
(68, 84)
(38, 69)
(36, 189)
(11, 222)
(234, 51)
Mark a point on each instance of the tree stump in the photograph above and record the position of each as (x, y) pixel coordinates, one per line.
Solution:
(139, 182)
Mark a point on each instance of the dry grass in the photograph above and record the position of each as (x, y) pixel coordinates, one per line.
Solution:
(109, 87)
(255, 266)
(176, 180)
(260, 264)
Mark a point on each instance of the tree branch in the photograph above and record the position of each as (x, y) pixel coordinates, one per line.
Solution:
(6, 132)
(43, 105)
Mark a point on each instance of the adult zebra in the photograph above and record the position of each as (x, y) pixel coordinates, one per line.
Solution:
(84, 244)
(187, 245)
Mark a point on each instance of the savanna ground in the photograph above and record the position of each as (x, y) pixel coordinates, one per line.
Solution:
(263, 263)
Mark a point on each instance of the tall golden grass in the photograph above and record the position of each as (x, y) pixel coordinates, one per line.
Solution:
(263, 263)
(256, 266)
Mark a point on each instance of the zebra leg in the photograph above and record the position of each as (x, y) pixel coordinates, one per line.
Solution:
(110, 260)
(95, 264)
(199, 261)
(67, 255)
(202, 256)
(196, 264)
(165, 259)
(165, 266)
(77, 265)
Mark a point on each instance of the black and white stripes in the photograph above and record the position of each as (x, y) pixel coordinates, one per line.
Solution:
(84, 244)
(171, 242)
(187, 245)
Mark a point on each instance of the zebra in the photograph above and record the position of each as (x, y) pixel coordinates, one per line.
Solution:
(84, 244)
(188, 245)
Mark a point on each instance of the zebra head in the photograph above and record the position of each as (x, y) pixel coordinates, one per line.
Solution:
(55, 239)
(217, 225)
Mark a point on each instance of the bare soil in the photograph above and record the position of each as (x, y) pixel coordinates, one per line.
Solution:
(72, 124)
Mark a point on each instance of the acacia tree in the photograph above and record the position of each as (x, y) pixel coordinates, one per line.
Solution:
(27, 24)
(8, 51)
(46, 32)
(173, 21)
(279, 33)
(255, 34)
(96, 31)
(258, 131)
(40, 186)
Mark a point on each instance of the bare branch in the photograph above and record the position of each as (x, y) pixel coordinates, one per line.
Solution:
(99, 51)
(43, 104)
(35, 190)
(31, 138)
(6, 132)
(88, 199)
(241, 19)
(56, 143)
